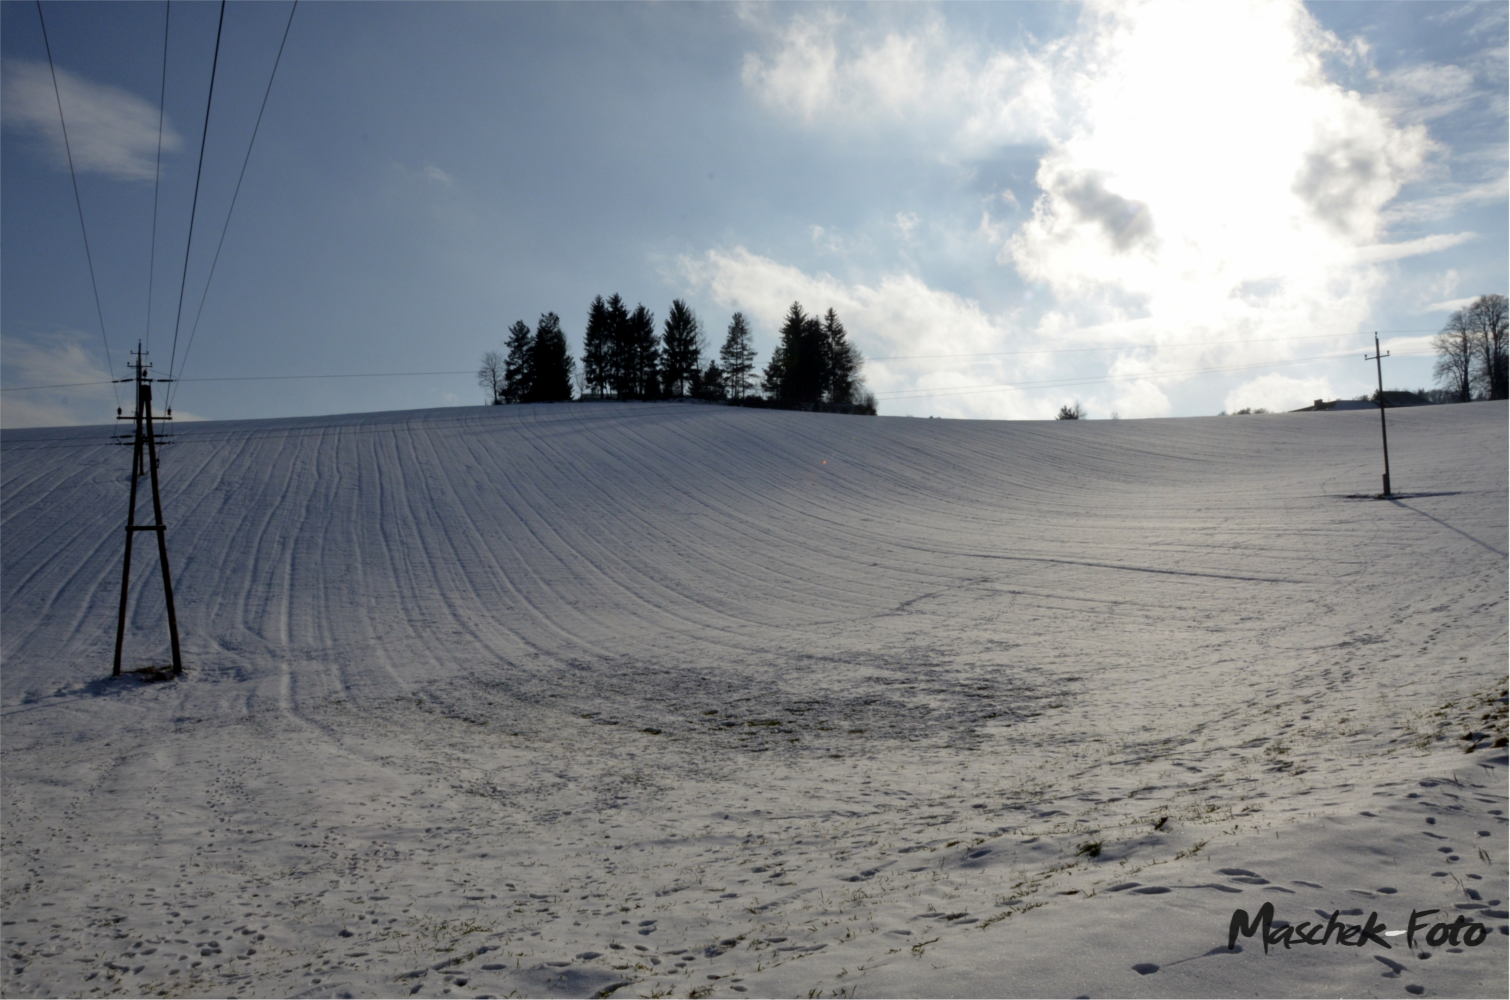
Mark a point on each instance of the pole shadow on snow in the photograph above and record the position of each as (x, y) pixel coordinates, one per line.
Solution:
(1397, 496)
(1397, 501)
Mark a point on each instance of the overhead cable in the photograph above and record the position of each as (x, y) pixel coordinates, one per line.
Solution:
(899, 394)
(246, 378)
(247, 159)
(78, 202)
(1136, 347)
(893, 395)
(157, 181)
(198, 173)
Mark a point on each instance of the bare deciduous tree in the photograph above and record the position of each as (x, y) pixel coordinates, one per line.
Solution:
(490, 376)
(1454, 368)
(1471, 351)
(1486, 322)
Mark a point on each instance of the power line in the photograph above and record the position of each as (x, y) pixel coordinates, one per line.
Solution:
(157, 182)
(899, 394)
(1092, 379)
(78, 202)
(195, 328)
(269, 378)
(60, 385)
(1133, 347)
(245, 378)
(896, 393)
(198, 173)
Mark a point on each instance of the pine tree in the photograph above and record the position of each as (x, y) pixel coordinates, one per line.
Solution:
(619, 366)
(709, 383)
(814, 361)
(809, 377)
(844, 361)
(777, 380)
(516, 366)
(550, 364)
(738, 357)
(641, 352)
(597, 348)
(798, 371)
(681, 349)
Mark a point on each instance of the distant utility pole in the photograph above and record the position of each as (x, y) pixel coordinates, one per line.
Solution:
(145, 436)
(1378, 361)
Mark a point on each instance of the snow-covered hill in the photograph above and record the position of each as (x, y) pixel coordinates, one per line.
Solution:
(638, 698)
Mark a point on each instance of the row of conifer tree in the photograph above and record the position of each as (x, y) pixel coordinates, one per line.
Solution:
(623, 357)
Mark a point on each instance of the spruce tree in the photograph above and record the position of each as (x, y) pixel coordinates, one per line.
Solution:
(597, 349)
(709, 383)
(550, 364)
(738, 357)
(620, 353)
(798, 371)
(814, 361)
(777, 380)
(516, 366)
(681, 349)
(642, 351)
(844, 361)
(809, 377)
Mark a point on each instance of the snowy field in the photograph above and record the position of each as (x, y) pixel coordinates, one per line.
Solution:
(661, 699)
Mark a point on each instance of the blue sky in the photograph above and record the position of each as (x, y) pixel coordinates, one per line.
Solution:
(1158, 210)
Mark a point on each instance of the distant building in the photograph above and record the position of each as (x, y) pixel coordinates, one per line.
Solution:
(1392, 398)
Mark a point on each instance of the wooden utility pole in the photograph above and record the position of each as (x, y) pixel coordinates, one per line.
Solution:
(1378, 360)
(146, 437)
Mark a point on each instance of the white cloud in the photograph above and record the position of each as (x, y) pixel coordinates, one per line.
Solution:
(63, 359)
(110, 130)
(435, 175)
(822, 66)
(1451, 305)
(918, 339)
(1200, 172)
(1447, 198)
(1425, 91)
(1203, 180)
(827, 240)
(1420, 344)
(898, 316)
(1279, 393)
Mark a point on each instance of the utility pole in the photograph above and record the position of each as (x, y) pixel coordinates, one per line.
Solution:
(1378, 360)
(145, 437)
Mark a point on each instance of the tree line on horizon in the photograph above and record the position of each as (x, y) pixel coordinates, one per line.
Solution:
(625, 358)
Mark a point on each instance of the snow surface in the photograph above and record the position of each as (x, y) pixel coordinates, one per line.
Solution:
(639, 699)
